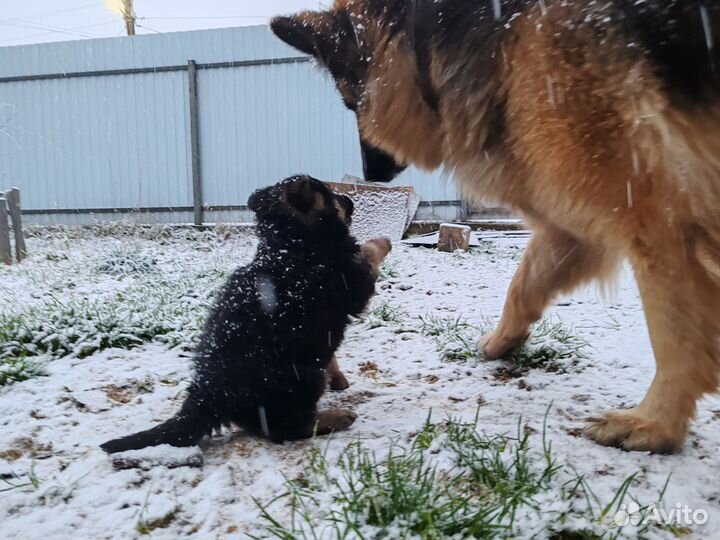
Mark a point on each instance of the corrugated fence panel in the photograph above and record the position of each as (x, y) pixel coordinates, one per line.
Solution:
(260, 124)
(99, 142)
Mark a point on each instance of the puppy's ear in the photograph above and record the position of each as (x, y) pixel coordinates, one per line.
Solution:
(258, 200)
(347, 204)
(302, 195)
(310, 32)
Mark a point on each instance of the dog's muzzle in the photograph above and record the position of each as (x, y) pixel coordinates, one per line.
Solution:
(378, 166)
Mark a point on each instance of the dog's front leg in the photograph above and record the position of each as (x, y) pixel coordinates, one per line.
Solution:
(681, 303)
(554, 263)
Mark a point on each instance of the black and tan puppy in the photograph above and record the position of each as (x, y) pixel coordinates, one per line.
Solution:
(263, 359)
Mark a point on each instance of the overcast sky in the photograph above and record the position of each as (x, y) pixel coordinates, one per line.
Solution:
(35, 21)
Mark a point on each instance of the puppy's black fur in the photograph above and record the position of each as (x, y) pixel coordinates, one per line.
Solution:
(261, 361)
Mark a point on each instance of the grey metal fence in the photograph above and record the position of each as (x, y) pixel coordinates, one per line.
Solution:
(176, 127)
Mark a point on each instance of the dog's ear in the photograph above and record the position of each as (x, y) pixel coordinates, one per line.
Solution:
(310, 32)
(302, 195)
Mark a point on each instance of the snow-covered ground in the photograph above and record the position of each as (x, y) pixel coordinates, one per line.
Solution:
(55, 483)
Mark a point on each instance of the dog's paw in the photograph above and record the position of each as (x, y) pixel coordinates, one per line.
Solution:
(497, 345)
(338, 382)
(630, 430)
(334, 420)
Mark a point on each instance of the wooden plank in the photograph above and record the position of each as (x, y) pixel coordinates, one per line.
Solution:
(351, 183)
(13, 201)
(5, 251)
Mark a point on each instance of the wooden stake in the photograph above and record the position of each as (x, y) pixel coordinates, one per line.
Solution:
(5, 252)
(13, 203)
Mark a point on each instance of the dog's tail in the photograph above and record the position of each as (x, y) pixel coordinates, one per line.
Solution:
(186, 428)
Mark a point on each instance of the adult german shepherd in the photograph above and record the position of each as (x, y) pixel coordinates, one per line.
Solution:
(598, 121)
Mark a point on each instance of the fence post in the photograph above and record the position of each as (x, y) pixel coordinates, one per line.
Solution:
(13, 202)
(195, 143)
(5, 252)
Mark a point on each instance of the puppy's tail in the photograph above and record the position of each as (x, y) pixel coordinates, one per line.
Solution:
(184, 429)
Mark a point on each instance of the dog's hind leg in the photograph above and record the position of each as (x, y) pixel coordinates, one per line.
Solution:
(279, 426)
(554, 262)
(336, 378)
(681, 305)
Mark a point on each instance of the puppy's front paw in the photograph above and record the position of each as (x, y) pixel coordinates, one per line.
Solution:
(332, 420)
(630, 430)
(376, 250)
(384, 245)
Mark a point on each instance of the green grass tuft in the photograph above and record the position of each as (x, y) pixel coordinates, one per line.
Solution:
(13, 370)
(12, 481)
(147, 527)
(123, 260)
(387, 272)
(162, 310)
(450, 481)
(553, 347)
(454, 337)
(384, 314)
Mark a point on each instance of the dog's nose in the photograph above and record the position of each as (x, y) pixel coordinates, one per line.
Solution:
(379, 166)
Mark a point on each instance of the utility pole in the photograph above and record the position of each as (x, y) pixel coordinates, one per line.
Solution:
(129, 15)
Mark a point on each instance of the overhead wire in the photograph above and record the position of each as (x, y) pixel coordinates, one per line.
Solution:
(20, 38)
(25, 22)
(43, 14)
(40, 26)
(208, 18)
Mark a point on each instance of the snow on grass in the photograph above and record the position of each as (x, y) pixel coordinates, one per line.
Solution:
(107, 315)
(117, 294)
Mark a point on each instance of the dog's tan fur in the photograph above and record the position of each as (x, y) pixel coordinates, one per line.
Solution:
(602, 166)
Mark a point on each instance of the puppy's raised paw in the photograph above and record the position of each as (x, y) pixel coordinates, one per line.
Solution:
(376, 250)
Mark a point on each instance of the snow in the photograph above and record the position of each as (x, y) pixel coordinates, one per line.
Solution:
(55, 423)
(379, 211)
(162, 455)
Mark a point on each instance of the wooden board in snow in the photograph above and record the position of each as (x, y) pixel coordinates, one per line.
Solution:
(380, 211)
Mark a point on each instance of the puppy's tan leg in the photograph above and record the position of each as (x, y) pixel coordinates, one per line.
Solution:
(332, 420)
(336, 378)
(554, 262)
(681, 307)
